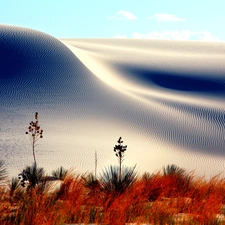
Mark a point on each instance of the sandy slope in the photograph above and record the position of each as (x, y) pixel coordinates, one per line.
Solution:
(165, 98)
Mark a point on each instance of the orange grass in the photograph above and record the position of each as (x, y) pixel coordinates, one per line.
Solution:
(153, 199)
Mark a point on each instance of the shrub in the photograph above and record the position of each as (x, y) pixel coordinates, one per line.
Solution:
(31, 176)
(112, 182)
(60, 173)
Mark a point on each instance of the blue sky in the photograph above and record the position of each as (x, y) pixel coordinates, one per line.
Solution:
(157, 19)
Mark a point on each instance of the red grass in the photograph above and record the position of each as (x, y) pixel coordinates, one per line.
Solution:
(157, 199)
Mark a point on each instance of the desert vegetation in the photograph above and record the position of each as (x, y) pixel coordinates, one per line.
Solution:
(117, 195)
(170, 196)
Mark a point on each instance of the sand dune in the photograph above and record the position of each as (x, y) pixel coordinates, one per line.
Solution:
(165, 98)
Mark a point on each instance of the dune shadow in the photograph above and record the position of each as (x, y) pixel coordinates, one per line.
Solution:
(12, 60)
(25, 53)
(178, 81)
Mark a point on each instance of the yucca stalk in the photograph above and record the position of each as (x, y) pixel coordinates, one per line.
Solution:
(35, 132)
(120, 151)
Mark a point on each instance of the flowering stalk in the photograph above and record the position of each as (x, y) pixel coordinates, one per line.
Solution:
(35, 132)
(120, 150)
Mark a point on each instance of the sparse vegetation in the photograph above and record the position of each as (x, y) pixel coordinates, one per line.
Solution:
(32, 175)
(151, 199)
(118, 196)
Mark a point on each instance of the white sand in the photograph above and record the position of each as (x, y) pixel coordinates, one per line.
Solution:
(165, 98)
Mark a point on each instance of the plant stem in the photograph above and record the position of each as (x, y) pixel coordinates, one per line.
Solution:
(33, 142)
(120, 162)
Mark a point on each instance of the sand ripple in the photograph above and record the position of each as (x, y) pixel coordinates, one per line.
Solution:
(165, 98)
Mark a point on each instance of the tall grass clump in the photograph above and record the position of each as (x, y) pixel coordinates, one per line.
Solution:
(178, 178)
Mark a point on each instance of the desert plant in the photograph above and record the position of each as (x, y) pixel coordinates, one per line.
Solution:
(90, 181)
(120, 150)
(113, 181)
(16, 192)
(182, 180)
(31, 176)
(13, 185)
(146, 176)
(173, 170)
(71, 203)
(35, 132)
(60, 173)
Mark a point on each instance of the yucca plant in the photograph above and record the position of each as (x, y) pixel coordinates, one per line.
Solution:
(31, 176)
(90, 181)
(182, 179)
(173, 170)
(116, 178)
(60, 173)
(113, 181)
(120, 151)
(35, 132)
(13, 185)
(93, 187)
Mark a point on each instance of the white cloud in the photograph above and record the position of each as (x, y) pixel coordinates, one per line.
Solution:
(166, 17)
(123, 15)
(177, 35)
(207, 36)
